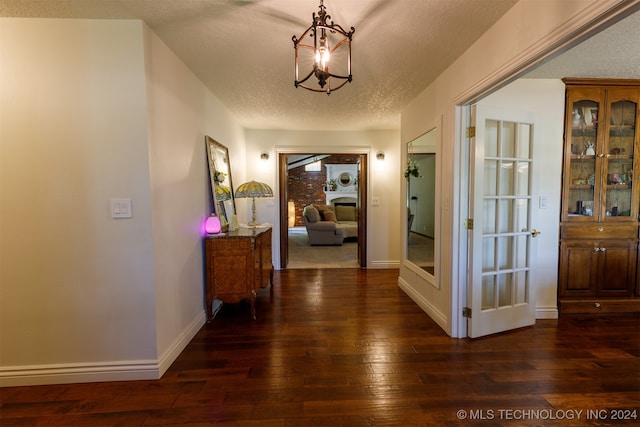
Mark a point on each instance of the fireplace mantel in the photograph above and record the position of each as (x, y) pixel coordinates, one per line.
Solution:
(332, 195)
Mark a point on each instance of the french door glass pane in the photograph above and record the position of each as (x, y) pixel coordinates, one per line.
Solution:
(491, 138)
(490, 180)
(488, 292)
(524, 141)
(522, 214)
(488, 254)
(506, 178)
(508, 139)
(521, 254)
(521, 286)
(505, 247)
(504, 290)
(489, 212)
(523, 178)
(506, 216)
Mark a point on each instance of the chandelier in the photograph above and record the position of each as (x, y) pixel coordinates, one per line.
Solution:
(330, 43)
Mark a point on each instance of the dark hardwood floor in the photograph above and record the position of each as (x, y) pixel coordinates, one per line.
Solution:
(346, 347)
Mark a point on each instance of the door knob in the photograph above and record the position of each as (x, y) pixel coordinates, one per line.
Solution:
(534, 232)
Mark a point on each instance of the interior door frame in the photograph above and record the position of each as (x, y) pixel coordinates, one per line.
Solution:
(363, 198)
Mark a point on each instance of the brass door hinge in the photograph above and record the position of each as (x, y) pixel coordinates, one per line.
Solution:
(471, 132)
(466, 312)
(468, 223)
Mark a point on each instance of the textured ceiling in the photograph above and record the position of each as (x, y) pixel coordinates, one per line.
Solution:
(612, 53)
(242, 51)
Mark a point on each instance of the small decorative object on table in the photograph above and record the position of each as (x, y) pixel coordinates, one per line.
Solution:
(589, 151)
(330, 185)
(212, 225)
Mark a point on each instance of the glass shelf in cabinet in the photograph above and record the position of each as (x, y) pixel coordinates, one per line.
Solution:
(581, 187)
(622, 131)
(624, 186)
(587, 157)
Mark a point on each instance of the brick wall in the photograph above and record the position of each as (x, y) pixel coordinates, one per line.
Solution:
(304, 187)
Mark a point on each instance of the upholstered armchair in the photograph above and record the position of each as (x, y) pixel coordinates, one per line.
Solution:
(321, 232)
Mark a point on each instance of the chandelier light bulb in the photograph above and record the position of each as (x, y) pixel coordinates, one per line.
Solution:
(323, 54)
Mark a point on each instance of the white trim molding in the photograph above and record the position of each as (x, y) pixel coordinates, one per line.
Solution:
(389, 264)
(437, 316)
(126, 370)
(546, 312)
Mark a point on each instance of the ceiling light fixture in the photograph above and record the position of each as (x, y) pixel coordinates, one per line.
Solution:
(330, 41)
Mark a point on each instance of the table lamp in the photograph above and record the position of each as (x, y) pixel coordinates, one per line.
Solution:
(253, 189)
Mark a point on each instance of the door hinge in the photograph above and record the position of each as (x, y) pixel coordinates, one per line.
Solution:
(466, 312)
(471, 132)
(468, 223)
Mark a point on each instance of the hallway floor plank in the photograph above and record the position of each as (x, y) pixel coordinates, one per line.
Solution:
(347, 347)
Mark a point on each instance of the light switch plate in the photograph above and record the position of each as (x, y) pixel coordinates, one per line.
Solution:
(121, 208)
(375, 201)
(543, 202)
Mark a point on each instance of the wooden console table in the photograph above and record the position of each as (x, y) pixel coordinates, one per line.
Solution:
(238, 263)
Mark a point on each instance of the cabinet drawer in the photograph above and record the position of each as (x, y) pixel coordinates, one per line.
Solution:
(599, 231)
(601, 305)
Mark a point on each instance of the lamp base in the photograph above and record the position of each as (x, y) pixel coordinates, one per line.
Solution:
(253, 222)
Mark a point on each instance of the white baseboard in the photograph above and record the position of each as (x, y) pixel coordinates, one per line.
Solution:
(79, 373)
(546, 312)
(435, 314)
(384, 264)
(127, 370)
(178, 346)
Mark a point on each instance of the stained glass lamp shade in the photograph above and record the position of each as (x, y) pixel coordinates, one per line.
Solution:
(253, 189)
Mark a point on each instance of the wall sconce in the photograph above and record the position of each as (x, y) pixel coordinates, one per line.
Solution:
(380, 155)
(264, 156)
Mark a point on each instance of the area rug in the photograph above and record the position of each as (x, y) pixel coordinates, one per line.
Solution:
(303, 255)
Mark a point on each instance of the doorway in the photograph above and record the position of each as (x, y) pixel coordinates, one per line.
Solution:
(318, 193)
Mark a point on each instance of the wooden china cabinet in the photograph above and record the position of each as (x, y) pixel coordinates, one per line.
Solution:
(600, 197)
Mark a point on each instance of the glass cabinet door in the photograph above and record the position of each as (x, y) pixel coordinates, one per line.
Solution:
(618, 155)
(581, 172)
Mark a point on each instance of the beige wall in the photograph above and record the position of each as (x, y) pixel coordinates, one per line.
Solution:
(77, 286)
(181, 113)
(93, 110)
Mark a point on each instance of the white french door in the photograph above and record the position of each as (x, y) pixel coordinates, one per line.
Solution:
(502, 252)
